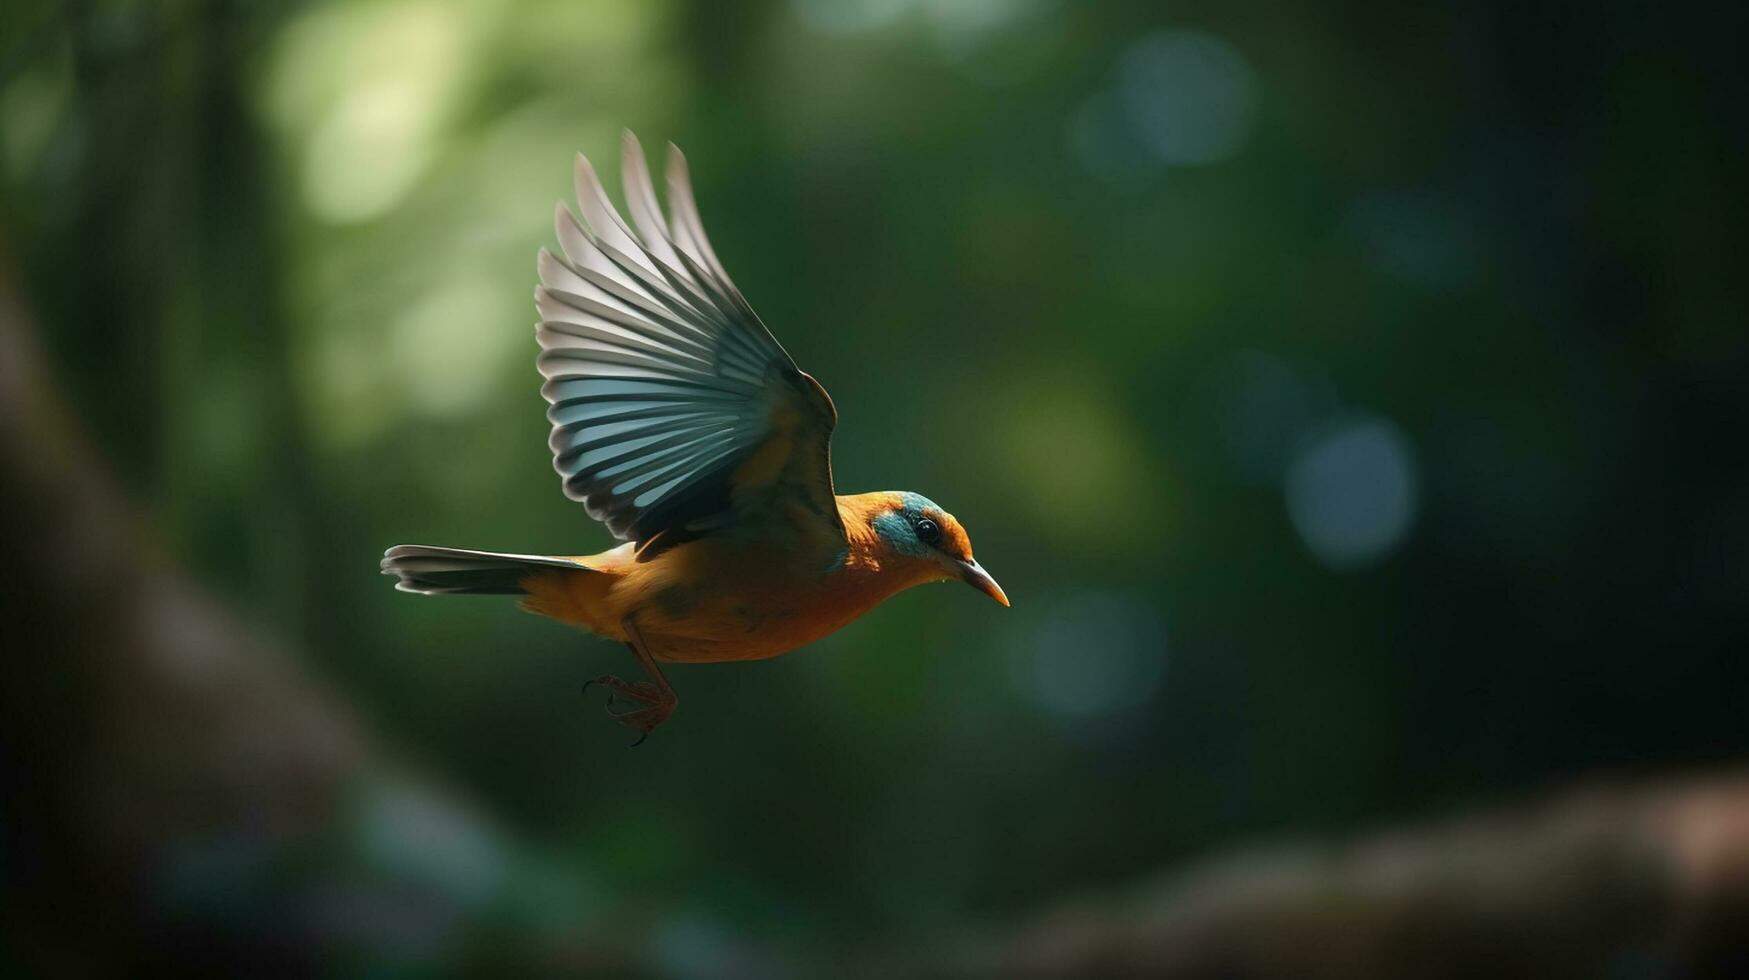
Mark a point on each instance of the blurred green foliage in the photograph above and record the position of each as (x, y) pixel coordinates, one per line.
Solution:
(1351, 399)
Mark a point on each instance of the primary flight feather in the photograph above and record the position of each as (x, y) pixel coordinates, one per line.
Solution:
(680, 423)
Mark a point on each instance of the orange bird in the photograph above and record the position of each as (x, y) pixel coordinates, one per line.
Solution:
(681, 424)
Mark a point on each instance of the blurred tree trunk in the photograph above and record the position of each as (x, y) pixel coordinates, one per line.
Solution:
(138, 717)
(175, 325)
(1646, 882)
(180, 795)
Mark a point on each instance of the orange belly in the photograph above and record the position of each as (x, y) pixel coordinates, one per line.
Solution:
(716, 599)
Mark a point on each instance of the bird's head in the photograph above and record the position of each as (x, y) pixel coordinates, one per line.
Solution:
(916, 530)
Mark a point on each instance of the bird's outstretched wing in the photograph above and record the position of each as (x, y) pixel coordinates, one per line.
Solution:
(673, 408)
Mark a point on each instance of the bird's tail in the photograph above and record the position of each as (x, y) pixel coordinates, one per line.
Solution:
(457, 571)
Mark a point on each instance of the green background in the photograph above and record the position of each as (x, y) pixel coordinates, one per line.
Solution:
(1350, 397)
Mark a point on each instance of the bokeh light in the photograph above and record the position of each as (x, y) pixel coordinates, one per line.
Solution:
(1352, 491)
(1092, 656)
(1191, 96)
(849, 16)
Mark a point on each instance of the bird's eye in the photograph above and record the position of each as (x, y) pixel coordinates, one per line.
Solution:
(928, 531)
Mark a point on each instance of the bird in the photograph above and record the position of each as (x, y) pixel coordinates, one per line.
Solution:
(682, 425)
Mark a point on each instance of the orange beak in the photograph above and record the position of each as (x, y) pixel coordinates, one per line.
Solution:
(973, 574)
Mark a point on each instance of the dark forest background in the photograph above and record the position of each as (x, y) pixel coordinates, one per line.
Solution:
(1353, 398)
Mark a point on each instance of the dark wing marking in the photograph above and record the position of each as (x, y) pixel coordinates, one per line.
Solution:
(672, 406)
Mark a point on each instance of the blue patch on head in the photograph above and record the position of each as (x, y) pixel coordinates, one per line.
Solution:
(898, 527)
(915, 504)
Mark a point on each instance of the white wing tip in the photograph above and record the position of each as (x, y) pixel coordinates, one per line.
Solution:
(584, 173)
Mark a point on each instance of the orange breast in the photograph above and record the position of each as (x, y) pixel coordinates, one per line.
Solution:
(722, 597)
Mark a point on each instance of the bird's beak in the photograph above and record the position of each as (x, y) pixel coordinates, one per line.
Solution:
(973, 574)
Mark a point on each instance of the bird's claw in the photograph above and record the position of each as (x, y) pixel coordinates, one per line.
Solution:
(620, 714)
(655, 704)
(591, 683)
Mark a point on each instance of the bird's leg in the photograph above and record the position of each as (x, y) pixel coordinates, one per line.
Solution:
(655, 694)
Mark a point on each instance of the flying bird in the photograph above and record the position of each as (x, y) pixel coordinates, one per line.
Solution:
(680, 423)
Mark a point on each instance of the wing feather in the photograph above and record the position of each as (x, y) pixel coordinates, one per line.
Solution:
(661, 380)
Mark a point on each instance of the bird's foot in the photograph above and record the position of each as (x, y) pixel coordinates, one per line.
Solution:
(657, 703)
